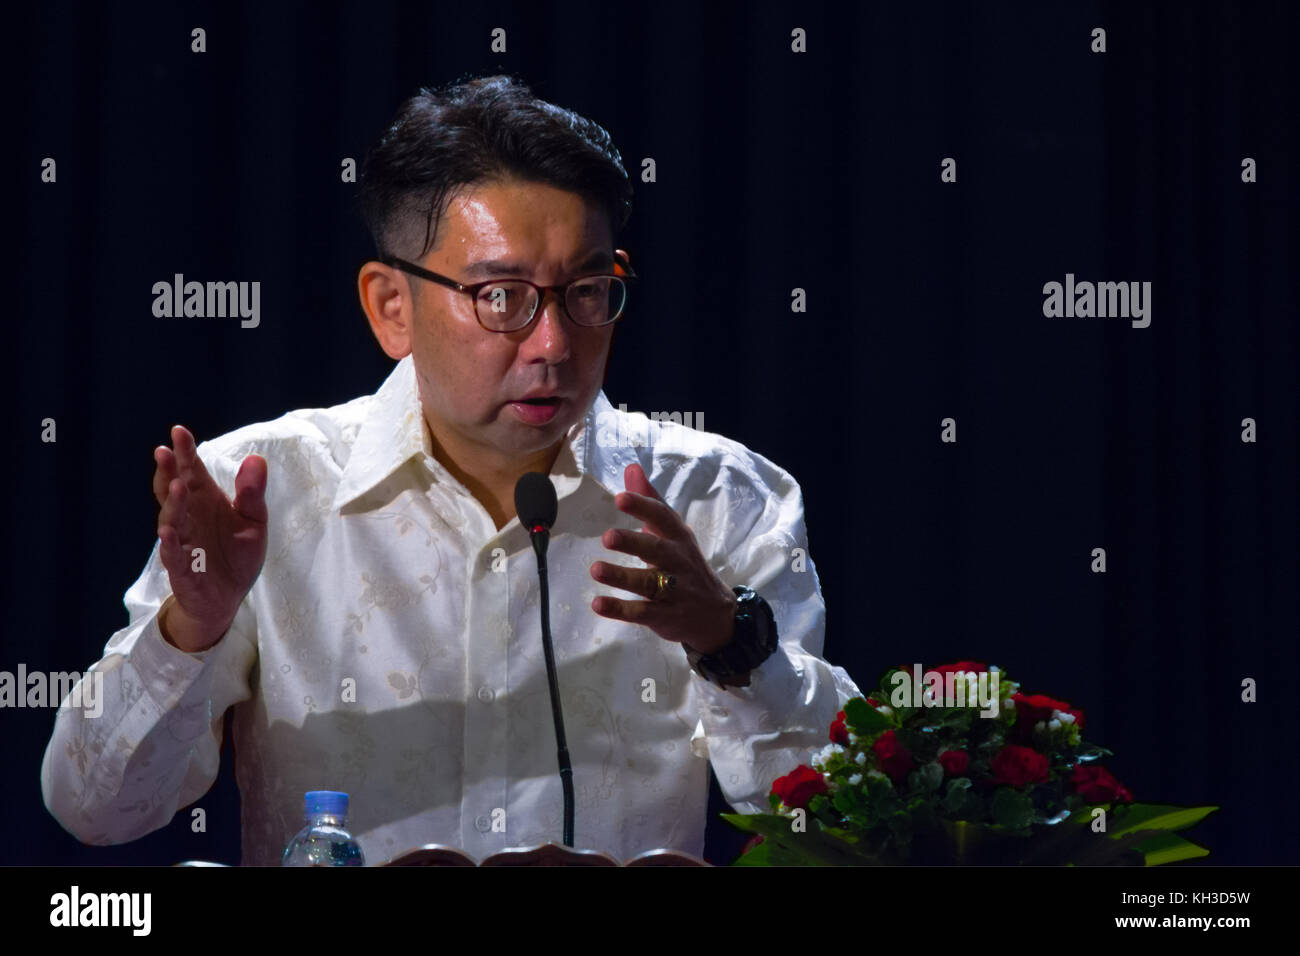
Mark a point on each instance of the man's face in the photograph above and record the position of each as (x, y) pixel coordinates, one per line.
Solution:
(469, 377)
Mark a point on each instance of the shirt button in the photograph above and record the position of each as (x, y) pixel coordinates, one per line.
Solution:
(482, 823)
(486, 695)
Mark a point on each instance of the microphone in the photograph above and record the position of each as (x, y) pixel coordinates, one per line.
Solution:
(536, 507)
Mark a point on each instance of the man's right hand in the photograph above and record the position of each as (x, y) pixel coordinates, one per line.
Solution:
(197, 514)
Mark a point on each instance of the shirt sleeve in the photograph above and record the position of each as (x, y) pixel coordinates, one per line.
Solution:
(145, 739)
(754, 734)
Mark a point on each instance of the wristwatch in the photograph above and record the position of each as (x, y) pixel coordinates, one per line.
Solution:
(753, 641)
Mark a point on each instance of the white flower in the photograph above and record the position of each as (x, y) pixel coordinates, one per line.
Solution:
(823, 755)
(1053, 724)
(1008, 704)
(860, 759)
(855, 779)
(1064, 717)
(1039, 727)
(877, 774)
(853, 738)
(885, 709)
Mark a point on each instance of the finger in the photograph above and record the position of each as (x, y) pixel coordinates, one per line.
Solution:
(640, 582)
(651, 549)
(164, 472)
(188, 461)
(169, 548)
(250, 489)
(654, 514)
(634, 479)
(645, 613)
(173, 514)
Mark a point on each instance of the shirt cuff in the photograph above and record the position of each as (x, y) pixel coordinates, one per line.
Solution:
(167, 671)
(772, 694)
(152, 679)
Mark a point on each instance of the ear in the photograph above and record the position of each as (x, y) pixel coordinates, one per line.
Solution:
(386, 299)
(622, 264)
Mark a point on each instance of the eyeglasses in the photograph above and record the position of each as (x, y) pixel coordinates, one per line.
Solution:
(508, 305)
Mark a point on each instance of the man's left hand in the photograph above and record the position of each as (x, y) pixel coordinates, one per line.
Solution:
(699, 611)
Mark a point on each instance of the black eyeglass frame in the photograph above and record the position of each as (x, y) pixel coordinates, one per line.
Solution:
(561, 291)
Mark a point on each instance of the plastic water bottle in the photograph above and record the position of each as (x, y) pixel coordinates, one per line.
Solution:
(324, 841)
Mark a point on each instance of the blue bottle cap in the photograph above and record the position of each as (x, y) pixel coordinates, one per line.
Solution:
(333, 802)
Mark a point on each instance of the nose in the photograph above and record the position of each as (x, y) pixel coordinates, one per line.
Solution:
(549, 337)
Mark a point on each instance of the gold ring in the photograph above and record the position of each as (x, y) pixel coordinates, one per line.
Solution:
(663, 582)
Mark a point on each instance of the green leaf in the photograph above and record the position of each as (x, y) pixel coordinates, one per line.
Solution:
(840, 833)
(863, 718)
(1153, 816)
(1170, 848)
(1133, 828)
(814, 847)
(957, 794)
(884, 832)
(847, 800)
(743, 821)
(1011, 808)
(758, 856)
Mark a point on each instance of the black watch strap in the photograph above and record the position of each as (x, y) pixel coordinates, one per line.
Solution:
(753, 641)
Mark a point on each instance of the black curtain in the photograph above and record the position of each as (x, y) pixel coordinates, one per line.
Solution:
(776, 170)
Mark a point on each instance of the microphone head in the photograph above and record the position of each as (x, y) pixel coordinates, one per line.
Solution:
(535, 502)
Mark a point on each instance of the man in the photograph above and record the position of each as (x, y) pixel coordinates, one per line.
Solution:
(353, 581)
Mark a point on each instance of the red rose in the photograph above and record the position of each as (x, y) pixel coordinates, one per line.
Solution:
(1016, 766)
(751, 843)
(873, 702)
(1035, 707)
(969, 667)
(799, 786)
(1096, 785)
(954, 762)
(839, 730)
(893, 756)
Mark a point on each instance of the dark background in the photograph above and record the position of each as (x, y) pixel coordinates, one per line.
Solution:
(775, 171)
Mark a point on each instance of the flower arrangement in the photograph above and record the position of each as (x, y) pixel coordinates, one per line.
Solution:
(961, 767)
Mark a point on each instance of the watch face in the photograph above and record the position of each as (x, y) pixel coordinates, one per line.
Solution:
(755, 640)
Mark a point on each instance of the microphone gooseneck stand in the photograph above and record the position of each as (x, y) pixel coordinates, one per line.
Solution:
(536, 506)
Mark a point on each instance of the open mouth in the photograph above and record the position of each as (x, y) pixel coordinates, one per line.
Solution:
(538, 411)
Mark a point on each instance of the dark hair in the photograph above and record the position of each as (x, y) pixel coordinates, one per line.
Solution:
(483, 130)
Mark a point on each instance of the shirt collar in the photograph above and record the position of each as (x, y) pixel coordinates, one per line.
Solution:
(393, 431)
